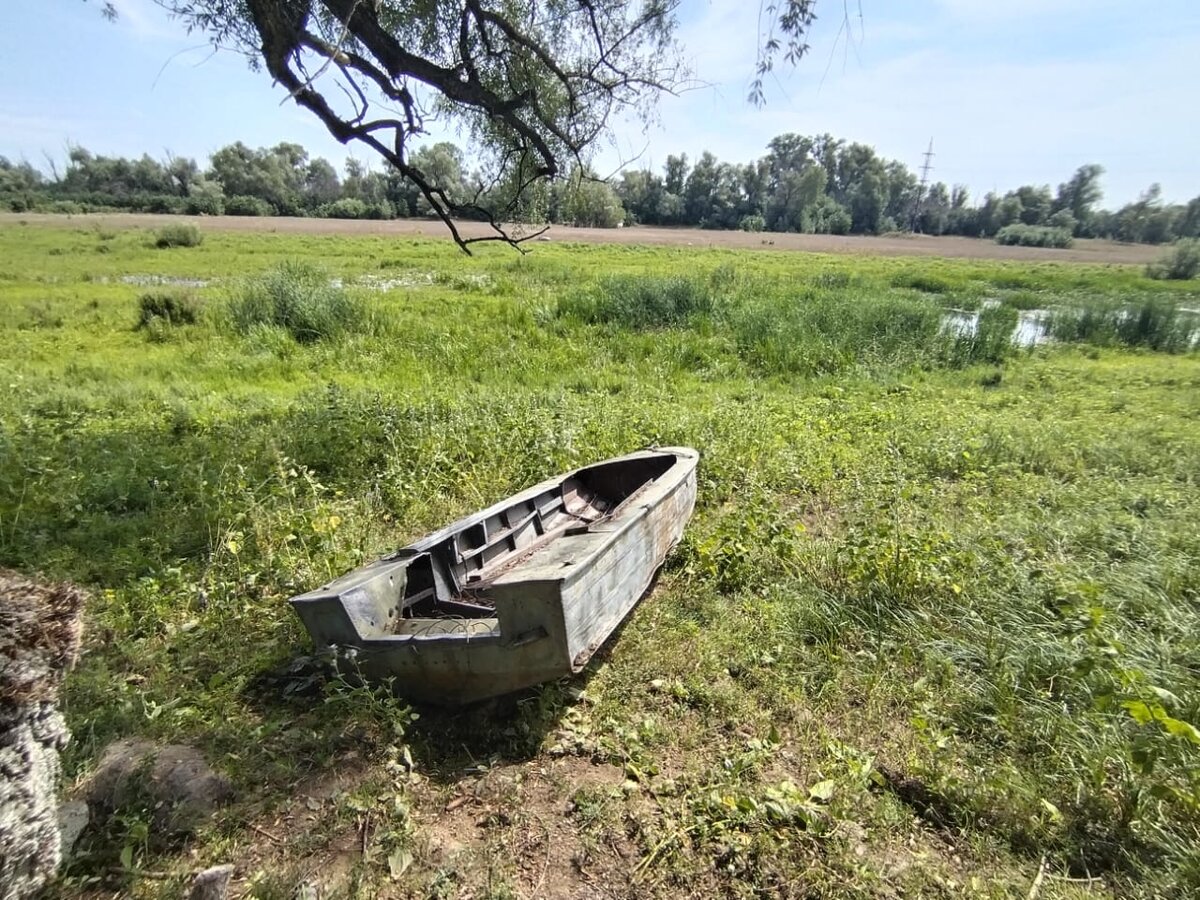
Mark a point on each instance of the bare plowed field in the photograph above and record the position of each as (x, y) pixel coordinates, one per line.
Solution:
(1087, 251)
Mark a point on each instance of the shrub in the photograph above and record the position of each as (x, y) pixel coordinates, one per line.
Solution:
(346, 208)
(381, 209)
(640, 301)
(299, 298)
(178, 236)
(1034, 236)
(753, 223)
(839, 222)
(64, 207)
(171, 307)
(206, 204)
(1180, 263)
(1064, 220)
(241, 205)
(159, 204)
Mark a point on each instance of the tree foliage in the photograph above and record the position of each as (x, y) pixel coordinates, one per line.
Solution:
(533, 85)
(803, 183)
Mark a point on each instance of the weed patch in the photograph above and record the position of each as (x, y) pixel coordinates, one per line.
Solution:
(300, 299)
(178, 236)
(170, 307)
(1151, 321)
(641, 301)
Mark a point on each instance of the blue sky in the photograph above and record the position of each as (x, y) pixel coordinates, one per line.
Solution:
(1011, 91)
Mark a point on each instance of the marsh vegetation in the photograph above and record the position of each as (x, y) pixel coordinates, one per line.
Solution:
(932, 631)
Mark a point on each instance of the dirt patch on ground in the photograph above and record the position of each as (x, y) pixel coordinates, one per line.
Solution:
(527, 825)
(1086, 251)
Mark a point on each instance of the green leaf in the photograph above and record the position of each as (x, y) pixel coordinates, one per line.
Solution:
(822, 790)
(1141, 713)
(127, 857)
(1055, 813)
(398, 862)
(1180, 728)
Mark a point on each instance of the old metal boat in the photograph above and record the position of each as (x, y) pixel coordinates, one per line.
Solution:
(522, 592)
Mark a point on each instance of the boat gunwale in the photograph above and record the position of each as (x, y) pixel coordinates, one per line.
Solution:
(425, 542)
(625, 519)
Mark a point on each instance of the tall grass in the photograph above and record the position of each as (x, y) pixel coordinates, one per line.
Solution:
(990, 592)
(178, 236)
(1154, 322)
(830, 325)
(640, 301)
(170, 307)
(824, 332)
(991, 340)
(301, 299)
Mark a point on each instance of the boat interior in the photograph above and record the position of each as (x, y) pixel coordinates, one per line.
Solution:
(448, 574)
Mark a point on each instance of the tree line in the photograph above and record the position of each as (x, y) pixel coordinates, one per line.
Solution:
(820, 184)
(811, 184)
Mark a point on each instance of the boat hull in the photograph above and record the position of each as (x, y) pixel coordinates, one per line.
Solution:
(549, 607)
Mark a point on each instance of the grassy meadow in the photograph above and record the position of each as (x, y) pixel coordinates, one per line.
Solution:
(934, 629)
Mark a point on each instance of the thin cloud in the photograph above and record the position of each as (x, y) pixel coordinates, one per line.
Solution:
(145, 21)
(998, 120)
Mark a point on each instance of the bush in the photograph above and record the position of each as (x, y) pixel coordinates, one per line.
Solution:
(159, 204)
(753, 223)
(299, 298)
(346, 208)
(64, 207)
(241, 205)
(1034, 236)
(1180, 263)
(205, 205)
(640, 301)
(171, 307)
(381, 209)
(839, 222)
(1064, 220)
(178, 236)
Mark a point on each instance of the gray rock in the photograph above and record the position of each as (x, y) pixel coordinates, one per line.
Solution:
(73, 817)
(173, 781)
(211, 884)
(29, 774)
(39, 641)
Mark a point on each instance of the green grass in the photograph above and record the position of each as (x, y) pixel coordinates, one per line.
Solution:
(934, 622)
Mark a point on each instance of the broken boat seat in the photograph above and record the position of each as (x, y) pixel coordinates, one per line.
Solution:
(438, 627)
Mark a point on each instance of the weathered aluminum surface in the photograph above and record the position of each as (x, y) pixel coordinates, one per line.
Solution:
(519, 593)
